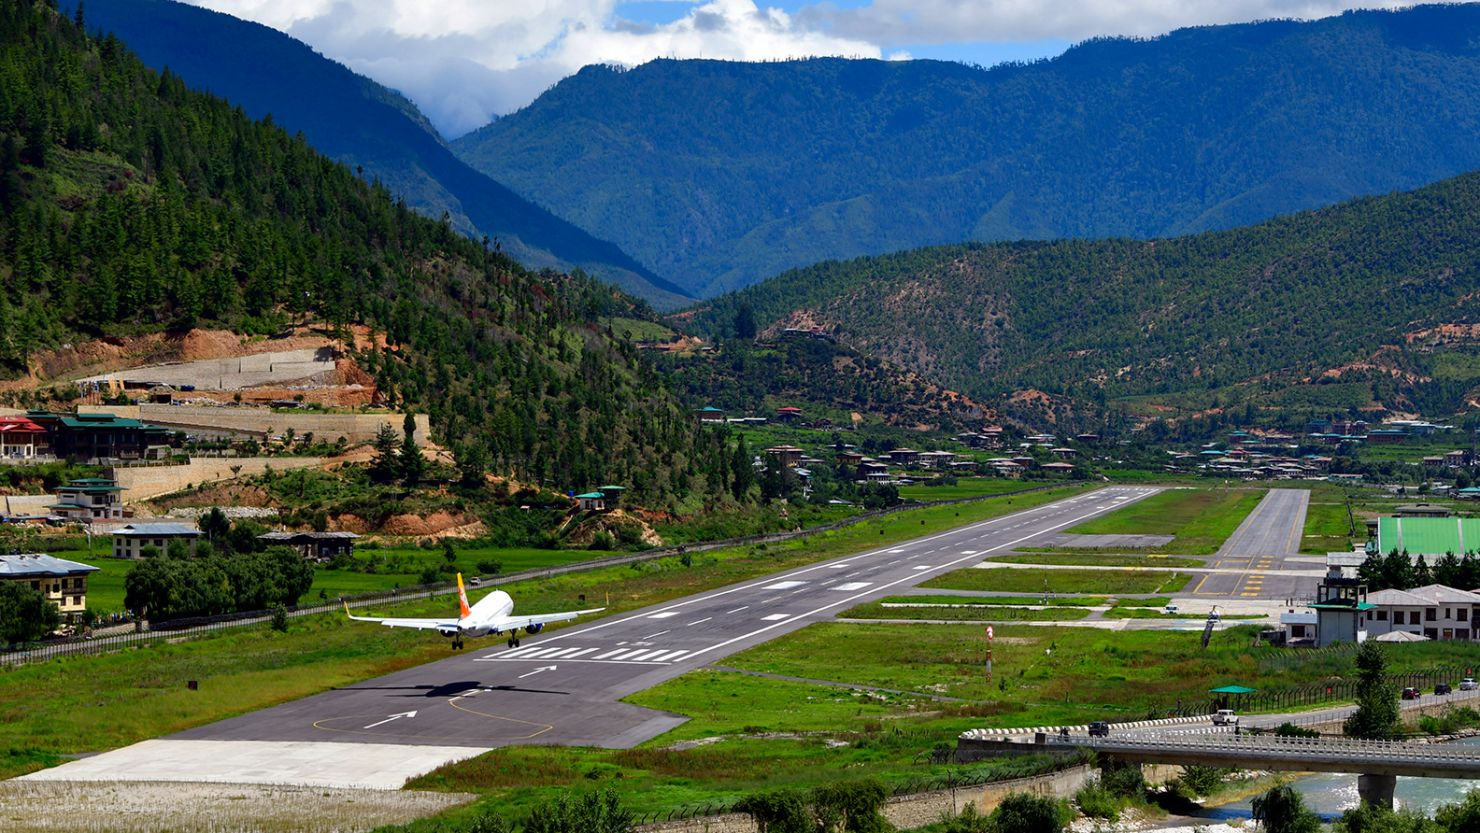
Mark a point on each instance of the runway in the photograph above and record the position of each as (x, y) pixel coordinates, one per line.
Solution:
(1251, 564)
(563, 688)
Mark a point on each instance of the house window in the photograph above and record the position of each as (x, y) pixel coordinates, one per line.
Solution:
(1462, 614)
(1431, 613)
(1382, 616)
(1297, 631)
(76, 600)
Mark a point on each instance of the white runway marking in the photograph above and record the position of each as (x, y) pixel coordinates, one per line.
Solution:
(664, 615)
(699, 622)
(895, 552)
(783, 585)
(922, 567)
(775, 617)
(651, 635)
(736, 610)
(838, 566)
(854, 585)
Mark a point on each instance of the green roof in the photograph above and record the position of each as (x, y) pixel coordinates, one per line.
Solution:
(1429, 537)
(1232, 689)
(591, 496)
(611, 488)
(1344, 606)
(104, 421)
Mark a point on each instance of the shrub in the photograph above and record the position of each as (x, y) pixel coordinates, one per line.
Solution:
(280, 619)
(1096, 802)
(490, 567)
(1200, 781)
(598, 812)
(1124, 781)
(1290, 730)
(852, 807)
(778, 811)
(1028, 813)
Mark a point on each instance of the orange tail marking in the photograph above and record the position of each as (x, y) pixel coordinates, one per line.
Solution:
(462, 598)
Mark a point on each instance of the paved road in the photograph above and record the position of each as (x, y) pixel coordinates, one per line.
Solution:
(1252, 562)
(563, 688)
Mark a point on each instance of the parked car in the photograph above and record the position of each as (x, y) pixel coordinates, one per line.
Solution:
(1171, 609)
(1225, 717)
(1468, 684)
(1411, 693)
(1442, 688)
(1099, 729)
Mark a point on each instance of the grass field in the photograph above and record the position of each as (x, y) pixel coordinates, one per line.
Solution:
(1077, 559)
(1200, 519)
(1327, 527)
(963, 612)
(965, 487)
(1070, 601)
(1013, 580)
(139, 694)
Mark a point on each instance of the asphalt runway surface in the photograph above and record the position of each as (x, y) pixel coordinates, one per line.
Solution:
(563, 687)
(1254, 562)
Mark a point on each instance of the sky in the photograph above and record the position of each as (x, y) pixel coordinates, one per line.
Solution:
(466, 61)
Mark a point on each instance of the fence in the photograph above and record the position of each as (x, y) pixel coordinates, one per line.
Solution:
(1330, 692)
(200, 625)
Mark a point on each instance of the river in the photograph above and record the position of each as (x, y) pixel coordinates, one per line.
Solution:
(1330, 794)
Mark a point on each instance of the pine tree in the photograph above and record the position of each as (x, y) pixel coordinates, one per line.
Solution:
(412, 464)
(1377, 716)
(742, 472)
(385, 466)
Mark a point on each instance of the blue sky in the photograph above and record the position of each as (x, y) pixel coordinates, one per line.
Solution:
(466, 61)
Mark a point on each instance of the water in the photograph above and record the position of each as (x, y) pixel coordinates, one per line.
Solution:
(1330, 794)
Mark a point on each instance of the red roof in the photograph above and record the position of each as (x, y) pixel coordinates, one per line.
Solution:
(19, 425)
(788, 410)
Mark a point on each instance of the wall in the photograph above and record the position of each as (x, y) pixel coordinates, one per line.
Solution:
(26, 504)
(907, 811)
(146, 482)
(355, 428)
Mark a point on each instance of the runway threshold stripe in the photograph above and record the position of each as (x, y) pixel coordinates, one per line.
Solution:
(643, 655)
(668, 656)
(610, 654)
(581, 653)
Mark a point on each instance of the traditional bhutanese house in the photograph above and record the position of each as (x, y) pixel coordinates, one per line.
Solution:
(903, 456)
(592, 501)
(788, 413)
(1006, 468)
(102, 436)
(848, 458)
(1087, 438)
(22, 439)
(130, 540)
(873, 470)
(613, 494)
(936, 459)
(1386, 435)
(1062, 451)
(62, 582)
(88, 499)
(710, 413)
(1025, 461)
(1454, 459)
(787, 455)
(1058, 468)
(1422, 510)
(316, 546)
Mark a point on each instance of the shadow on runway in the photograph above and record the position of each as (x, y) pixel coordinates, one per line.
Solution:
(448, 689)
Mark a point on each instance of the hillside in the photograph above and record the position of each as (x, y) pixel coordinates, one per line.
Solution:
(717, 175)
(1373, 302)
(130, 204)
(367, 127)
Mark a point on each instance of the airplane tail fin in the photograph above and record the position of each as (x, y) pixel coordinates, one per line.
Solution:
(462, 598)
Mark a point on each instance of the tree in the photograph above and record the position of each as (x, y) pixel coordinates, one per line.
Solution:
(25, 614)
(745, 321)
(742, 472)
(1282, 810)
(472, 464)
(384, 467)
(1463, 817)
(1377, 716)
(1365, 818)
(598, 812)
(412, 464)
(215, 524)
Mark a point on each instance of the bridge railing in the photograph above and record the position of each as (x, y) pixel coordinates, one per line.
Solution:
(1386, 749)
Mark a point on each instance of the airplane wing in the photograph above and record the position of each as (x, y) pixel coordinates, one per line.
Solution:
(424, 624)
(511, 622)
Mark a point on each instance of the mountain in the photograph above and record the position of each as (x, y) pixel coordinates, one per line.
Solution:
(719, 174)
(131, 204)
(362, 124)
(1371, 303)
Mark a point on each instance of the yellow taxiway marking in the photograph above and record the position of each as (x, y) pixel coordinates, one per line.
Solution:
(1198, 588)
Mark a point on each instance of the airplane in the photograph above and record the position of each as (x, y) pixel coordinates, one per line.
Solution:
(491, 615)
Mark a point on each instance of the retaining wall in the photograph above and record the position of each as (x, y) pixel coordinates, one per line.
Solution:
(26, 504)
(355, 428)
(147, 482)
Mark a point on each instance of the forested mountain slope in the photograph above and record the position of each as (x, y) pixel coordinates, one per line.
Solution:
(129, 203)
(717, 175)
(362, 124)
(1372, 301)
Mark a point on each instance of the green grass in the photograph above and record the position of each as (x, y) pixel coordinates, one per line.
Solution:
(1075, 559)
(966, 487)
(1013, 580)
(1327, 528)
(964, 612)
(1146, 613)
(635, 329)
(1200, 519)
(1073, 601)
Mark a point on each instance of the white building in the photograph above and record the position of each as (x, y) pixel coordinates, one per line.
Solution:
(130, 540)
(1435, 611)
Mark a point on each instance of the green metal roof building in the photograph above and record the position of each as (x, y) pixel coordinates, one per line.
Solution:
(1429, 537)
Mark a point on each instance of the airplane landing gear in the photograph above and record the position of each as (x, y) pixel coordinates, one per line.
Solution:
(513, 642)
(457, 643)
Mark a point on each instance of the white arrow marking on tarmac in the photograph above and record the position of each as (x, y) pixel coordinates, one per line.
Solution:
(538, 670)
(392, 717)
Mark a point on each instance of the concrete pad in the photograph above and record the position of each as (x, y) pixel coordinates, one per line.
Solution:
(1108, 542)
(376, 766)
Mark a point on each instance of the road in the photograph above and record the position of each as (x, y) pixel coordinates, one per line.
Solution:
(563, 688)
(1252, 563)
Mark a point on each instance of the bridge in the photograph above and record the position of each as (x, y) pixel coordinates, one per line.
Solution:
(1377, 763)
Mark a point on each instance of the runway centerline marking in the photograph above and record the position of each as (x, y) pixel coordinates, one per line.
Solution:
(699, 622)
(737, 610)
(651, 635)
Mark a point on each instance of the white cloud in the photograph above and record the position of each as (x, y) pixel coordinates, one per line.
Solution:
(462, 61)
(955, 21)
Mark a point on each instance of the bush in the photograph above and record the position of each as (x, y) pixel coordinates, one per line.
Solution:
(598, 812)
(280, 619)
(1290, 730)
(1096, 802)
(1028, 813)
(778, 811)
(490, 567)
(967, 821)
(1200, 781)
(1124, 781)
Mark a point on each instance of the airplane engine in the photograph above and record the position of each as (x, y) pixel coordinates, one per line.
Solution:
(535, 628)
(447, 632)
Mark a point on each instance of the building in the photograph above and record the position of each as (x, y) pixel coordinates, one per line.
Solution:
(903, 456)
(873, 471)
(317, 546)
(788, 414)
(103, 436)
(1427, 536)
(1341, 606)
(22, 439)
(130, 540)
(848, 458)
(936, 459)
(710, 413)
(786, 455)
(62, 582)
(592, 502)
(1058, 468)
(88, 499)
(1434, 611)
(613, 494)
